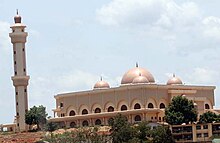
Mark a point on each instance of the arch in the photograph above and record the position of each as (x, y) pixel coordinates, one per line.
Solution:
(72, 113)
(152, 101)
(207, 106)
(84, 112)
(85, 123)
(162, 106)
(83, 107)
(71, 108)
(134, 102)
(124, 107)
(97, 110)
(107, 105)
(121, 103)
(110, 109)
(150, 105)
(137, 118)
(72, 125)
(98, 122)
(137, 106)
(95, 106)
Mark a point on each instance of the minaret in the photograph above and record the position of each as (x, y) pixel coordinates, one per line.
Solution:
(20, 78)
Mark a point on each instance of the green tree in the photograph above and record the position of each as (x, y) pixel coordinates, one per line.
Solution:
(209, 117)
(36, 116)
(143, 132)
(121, 130)
(180, 110)
(162, 134)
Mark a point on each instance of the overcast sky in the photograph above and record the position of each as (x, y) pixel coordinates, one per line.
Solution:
(72, 43)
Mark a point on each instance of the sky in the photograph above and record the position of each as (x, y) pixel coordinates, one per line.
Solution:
(72, 43)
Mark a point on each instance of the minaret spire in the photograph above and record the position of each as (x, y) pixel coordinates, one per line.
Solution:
(136, 64)
(17, 18)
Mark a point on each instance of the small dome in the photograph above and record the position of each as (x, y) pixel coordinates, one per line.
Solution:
(17, 18)
(174, 81)
(140, 80)
(101, 84)
(130, 75)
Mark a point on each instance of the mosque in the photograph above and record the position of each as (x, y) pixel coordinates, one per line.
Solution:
(138, 97)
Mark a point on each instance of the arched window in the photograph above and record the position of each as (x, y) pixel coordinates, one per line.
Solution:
(110, 109)
(123, 107)
(207, 106)
(137, 118)
(72, 124)
(150, 105)
(137, 106)
(98, 122)
(85, 123)
(72, 113)
(97, 110)
(84, 111)
(162, 106)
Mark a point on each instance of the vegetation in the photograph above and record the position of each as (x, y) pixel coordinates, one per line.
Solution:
(209, 117)
(180, 110)
(36, 116)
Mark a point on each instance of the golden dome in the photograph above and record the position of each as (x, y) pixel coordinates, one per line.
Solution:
(174, 81)
(140, 80)
(130, 75)
(101, 84)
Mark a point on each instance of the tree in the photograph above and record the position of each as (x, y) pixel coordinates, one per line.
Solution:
(36, 115)
(143, 132)
(121, 130)
(180, 110)
(162, 134)
(209, 117)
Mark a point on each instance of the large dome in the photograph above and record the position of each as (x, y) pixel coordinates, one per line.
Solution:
(130, 75)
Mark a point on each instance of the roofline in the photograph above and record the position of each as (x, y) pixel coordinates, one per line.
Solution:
(132, 86)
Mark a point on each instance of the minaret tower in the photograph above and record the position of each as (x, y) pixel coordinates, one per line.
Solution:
(20, 78)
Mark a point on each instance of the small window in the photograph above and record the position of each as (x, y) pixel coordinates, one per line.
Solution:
(98, 122)
(72, 124)
(85, 123)
(198, 127)
(150, 105)
(137, 106)
(72, 113)
(18, 124)
(162, 106)
(206, 134)
(25, 90)
(199, 135)
(205, 126)
(22, 30)
(61, 104)
(137, 118)
(159, 118)
(13, 30)
(23, 49)
(207, 106)
(15, 73)
(14, 52)
(152, 118)
(97, 110)
(17, 103)
(17, 114)
(123, 108)
(15, 62)
(110, 109)
(16, 93)
(84, 111)
(24, 70)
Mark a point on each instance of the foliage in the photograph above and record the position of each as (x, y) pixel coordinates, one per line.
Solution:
(36, 115)
(121, 130)
(180, 110)
(143, 132)
(209, 117)
(51, 126)
(162, 134)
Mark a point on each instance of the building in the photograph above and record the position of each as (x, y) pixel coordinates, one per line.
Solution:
(138, 97)
(20, 79)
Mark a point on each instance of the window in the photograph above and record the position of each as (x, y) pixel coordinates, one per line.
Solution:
(16, 93)
(23, 49)
(85, 123)
(61, 104)
(150, 105)
(98, 122)
(25, 90)
(199, 135)
(137, 106)
(18, 124)
(207, 106)
(17, 114)
(162, 106)
(123, 108)
(205, 126)
(110, 109)
(97, 110)
(159, 118)
(15, 73)
(14, 52)
(137, 118)
(24, 70)
(206, 134)
(16, 103)
(72, 124)
(13, 30)
(15, 62)
(198, 127)
(84, 111)
(72, 113)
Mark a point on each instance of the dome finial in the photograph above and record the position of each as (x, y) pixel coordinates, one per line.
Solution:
(136, 64)
(101, 78)
(17, 11)
(17, 18)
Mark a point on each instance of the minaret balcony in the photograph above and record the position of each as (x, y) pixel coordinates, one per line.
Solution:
(20, 80)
